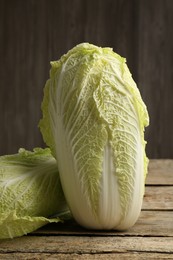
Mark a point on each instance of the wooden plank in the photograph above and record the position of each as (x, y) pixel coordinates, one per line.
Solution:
(90, 256)
(87, 244)
(150, 223)
(160, 172)
(154, 78)
(158, 198)
(153, 223)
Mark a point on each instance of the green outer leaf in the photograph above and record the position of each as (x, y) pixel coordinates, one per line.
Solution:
(13, 226)
(30, 192)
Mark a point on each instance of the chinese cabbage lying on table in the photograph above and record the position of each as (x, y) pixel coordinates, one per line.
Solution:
(30, 192)
(93, 121)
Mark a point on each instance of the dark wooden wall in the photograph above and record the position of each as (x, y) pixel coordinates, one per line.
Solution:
(33, 32)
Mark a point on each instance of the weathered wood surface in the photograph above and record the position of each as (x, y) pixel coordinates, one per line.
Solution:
(34, 32)
(160, 172)
(150, 238)
(90, 256)
(151, 223)
(88, 244)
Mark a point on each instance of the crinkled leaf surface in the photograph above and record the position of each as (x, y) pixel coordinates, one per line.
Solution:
(13, 226)
(30, 192)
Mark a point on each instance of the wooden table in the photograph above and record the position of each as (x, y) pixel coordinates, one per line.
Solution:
(150, 238)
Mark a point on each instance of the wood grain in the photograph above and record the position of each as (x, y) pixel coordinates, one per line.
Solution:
(155, 79)
(150, 238)
(55, 256)
(150, 223)
(86, 245)
(160, 172)
(158, 198)
(32, 33)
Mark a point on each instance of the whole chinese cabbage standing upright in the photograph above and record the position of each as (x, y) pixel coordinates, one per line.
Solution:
(93, 121)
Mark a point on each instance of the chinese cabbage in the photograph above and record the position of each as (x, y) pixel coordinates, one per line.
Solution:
(93, 121)
(30, 192)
